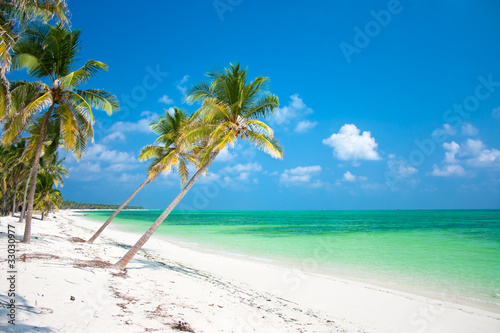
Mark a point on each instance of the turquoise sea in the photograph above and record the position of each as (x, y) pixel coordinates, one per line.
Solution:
(451, 254)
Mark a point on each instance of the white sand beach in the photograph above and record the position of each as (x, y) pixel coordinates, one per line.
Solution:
(63, 286)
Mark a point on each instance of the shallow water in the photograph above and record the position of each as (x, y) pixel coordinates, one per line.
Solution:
(453, 252)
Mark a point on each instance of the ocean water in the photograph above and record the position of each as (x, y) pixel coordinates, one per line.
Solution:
(451, 254)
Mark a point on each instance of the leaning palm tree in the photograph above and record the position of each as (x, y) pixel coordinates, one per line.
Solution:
(167, 153)
(231, 109)
(49, 53)
(15, 14)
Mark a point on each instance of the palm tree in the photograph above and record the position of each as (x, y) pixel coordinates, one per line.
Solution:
(168, 152)
(12, 13)
(47, 197)
(231, 109)
(13, 171)
(50, 52)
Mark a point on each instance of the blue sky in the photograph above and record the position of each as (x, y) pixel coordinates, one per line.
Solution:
(384, 104)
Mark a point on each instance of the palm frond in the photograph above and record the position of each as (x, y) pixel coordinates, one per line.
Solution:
(266, 143)
(100, 99)
(83, 74)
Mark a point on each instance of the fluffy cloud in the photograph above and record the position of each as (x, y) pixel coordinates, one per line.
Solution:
(350, 178)
(225, 155)
(305, 125)
(166, 100)
(119, 128)
(293, 113)
(469, 129)
(400, 168)
(100, 162)
(181, 87)
(300, 175)
(99, 152)
(448, 170)
(348, 144)
(447, 129)
(296, 108)
(473, 153)
(452, 149)
(252, 167)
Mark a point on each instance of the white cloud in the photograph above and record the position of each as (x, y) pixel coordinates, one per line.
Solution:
(477, 155)
(473, 153)
(86, 167)
(300, 175)
(252, 167)
(473, 147)
(305, 126)
(452, 149)
(208, 178)
(99, 152)
(181, 87)
(225, 155)
(400, 167)
(469, 129)
(448, 170)
(128, 178)
(349, 177)
(295, 109)
(166, 100)
(348, 144)
(119, 128)
(447, 129)
(487, 157)
(242, 171)
(496, 113)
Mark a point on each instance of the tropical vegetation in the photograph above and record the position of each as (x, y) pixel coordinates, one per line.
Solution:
(52, 111)
(232, 108)
(168, 153)
(68, 204)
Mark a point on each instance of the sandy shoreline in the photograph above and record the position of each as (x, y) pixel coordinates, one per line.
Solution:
(167, 284)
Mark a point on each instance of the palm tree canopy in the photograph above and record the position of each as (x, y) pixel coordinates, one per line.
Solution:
(19, 12)
(46, 196)
(233, 108)
(170, 149)
(50, 52)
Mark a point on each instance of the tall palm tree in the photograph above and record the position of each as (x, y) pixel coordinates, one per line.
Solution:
(49, 53)
(15, 13)
(231, 109)
(169, 152)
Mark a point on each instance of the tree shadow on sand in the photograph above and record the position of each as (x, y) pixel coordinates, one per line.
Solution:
(22, 305)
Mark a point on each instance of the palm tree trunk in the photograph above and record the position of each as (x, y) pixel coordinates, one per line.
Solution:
(14, 199)
(108, 221)
(6, 85)
(33, 174)
(133, 251)
(5, 204)
(23, 210)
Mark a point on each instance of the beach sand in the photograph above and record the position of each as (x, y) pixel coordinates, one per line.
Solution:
(62, 285)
